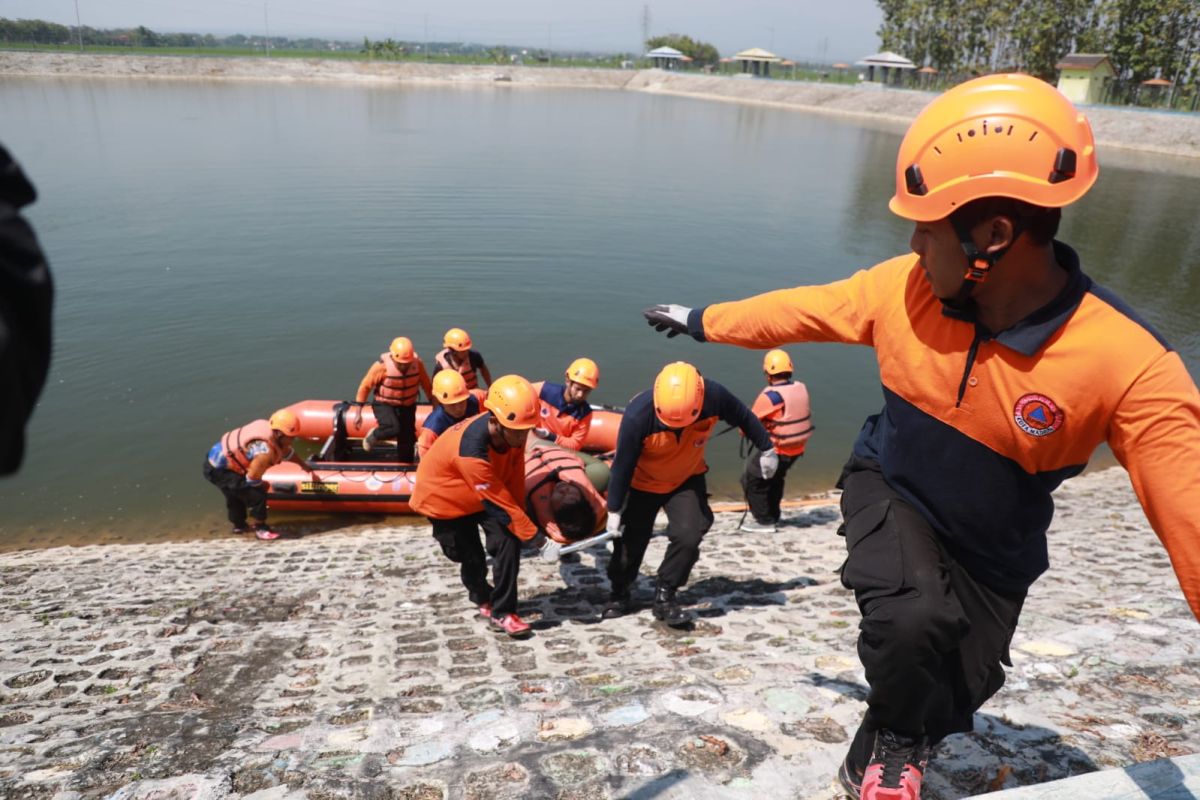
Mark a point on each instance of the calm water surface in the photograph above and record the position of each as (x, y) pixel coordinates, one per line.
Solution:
(222, 250)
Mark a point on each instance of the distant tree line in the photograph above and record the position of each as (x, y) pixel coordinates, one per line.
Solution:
(701, 53)
(36, 31)
(1143, 38)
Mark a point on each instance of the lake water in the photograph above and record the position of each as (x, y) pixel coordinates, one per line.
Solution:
(222, 249)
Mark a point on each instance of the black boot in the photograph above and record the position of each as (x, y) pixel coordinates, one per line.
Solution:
(619, 604)
(665, 607)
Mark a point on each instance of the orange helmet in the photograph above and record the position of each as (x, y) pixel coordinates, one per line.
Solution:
(514, 402)
(457, 339)
(678, 394)
(402, 349)
(585, 371)
(449, 387)
(776, 362)
(996, 136)
(286, 422)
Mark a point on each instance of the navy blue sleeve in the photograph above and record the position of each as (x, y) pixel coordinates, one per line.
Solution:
(476, 440)
(475, 358)
(695, 324)
(734, 412)
(635, 426)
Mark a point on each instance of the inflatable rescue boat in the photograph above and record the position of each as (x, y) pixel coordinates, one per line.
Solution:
(348, 479)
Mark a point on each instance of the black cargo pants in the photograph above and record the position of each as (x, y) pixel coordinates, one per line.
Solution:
(688, 519)
(459, 539)
(399, 423)
(932, 638)
(763, 495)
(240, 497)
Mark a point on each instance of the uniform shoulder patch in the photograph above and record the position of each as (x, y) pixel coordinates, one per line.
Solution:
(1037, 415)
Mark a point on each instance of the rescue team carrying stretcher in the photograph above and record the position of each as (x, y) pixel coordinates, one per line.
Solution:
(1004, 366)
(478, 468)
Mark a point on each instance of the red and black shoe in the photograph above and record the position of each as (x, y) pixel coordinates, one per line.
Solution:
(896, 768)
(850, 773)
(511, 624)
(485, 610)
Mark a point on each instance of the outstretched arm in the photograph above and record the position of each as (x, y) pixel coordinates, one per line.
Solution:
(1155, 434)
(843, 311)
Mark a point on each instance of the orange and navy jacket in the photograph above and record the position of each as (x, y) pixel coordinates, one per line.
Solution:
(654, 458)
(546, 466)
(978, 429)
(463, 475)
(467, 367)
(393, 387)
(569, 422)
(785, 413)
(438, 420)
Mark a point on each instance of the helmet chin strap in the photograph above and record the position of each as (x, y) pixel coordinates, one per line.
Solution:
(979, 264)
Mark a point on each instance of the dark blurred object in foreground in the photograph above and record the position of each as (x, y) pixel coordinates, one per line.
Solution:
(26, 296)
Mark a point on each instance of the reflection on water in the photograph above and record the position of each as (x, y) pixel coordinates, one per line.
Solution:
(223, 249)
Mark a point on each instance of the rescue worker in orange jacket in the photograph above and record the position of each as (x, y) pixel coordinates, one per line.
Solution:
(454, 403)
(559, 495)
(659, 464)
(783, 407)
(474, 478)
(566, 415)
(456, 354)
(397, 380)
(1004, 366)
(236, 463)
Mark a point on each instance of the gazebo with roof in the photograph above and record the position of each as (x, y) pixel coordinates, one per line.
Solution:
(757, 61)
(666, 57)
(888, 63)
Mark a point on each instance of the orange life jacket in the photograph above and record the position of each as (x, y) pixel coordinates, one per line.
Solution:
(399, 388)
(545, 467)
(791, 428)
(463, 368)
(234, 443)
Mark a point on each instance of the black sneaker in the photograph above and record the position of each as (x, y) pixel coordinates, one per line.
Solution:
(850, 773)
(896, 769)
(618, 605)
(666, 608)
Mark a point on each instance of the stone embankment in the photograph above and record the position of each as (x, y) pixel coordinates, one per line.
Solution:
(1175, 134)
(351, 665)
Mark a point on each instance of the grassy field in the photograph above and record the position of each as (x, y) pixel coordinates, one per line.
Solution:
(608, 62)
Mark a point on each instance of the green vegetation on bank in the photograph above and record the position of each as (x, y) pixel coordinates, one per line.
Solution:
(701, 53)
(1143, 39)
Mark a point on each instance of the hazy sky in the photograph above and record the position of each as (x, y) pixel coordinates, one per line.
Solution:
(801, 29)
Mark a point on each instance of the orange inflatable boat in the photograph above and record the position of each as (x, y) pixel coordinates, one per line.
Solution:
(348, 479)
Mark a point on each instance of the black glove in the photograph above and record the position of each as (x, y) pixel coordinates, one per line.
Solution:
(670, 318)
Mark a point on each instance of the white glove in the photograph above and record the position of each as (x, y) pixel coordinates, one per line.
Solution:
(549, 551)
(768, 462)
(671, 318)
(614, 523)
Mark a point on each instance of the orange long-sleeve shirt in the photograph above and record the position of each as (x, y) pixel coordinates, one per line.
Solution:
(978, 429)
(377, 372)
(569, 422)
(462, 474)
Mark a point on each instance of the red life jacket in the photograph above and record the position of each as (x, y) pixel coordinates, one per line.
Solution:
(790, 430)
(545, 467)
(399, 389)
(234, 444)
(463, 368)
